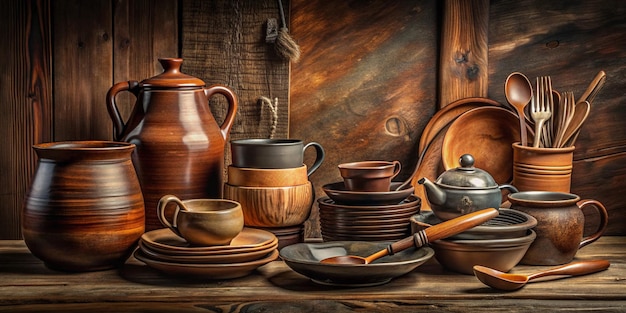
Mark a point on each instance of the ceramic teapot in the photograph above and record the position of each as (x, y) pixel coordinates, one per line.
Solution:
(463, 190)
(179, 145)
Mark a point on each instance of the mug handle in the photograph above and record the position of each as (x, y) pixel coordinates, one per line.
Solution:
(397, 167)
(320, 154)
(604, 219)
(161, 212)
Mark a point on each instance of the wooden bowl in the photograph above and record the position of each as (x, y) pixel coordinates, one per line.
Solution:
(262, 177)
(273, 206)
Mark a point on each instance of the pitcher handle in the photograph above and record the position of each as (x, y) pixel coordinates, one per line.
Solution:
(320, 155)
(232, 106)
(114, 112)
(163, 202)
(604, 219)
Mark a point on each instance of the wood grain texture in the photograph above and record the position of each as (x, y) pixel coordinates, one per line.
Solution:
(143, 32)
(223, 42)
(464, 58)
(365, 85)
(25, 102)
(572, 43)
(83, 68)
(28, 286)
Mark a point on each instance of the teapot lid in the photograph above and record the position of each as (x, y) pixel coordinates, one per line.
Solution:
(172, 77)
(467, 175)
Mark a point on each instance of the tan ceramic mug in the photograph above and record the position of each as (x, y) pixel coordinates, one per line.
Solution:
(560, 224)
(203, 222)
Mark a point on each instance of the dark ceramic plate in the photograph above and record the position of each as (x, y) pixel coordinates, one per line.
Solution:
(304, 258)
(338, 193)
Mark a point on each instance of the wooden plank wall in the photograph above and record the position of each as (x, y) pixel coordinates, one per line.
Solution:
(365, 86)
(572, 41)
(366, 83)
(59, 60)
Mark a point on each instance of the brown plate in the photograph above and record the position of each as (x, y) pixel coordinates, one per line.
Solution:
(410, 201)
(488, 134)
(402, 231)
(340, 195)
(380, 216)
(364, 226)
(207, 259)
(448, 114)
(375, 237)
(249, 239)
(206, 271)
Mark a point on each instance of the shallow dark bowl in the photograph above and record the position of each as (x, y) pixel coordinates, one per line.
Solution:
(410, 202)
(338, 193)
(508, 224)
(305, 258)
(500, 254)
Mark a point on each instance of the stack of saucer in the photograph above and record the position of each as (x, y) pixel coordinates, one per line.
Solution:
(163, 250)
(366, 222)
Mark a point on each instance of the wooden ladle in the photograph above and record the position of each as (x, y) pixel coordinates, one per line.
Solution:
(518, 92)
(503, 281)
(436, 232)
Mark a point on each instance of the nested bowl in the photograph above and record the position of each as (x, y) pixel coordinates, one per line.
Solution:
(508, 224)
(267, 177)
(501, 254)
(273, 206)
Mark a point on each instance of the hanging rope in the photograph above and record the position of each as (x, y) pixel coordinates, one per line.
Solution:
(266, 102)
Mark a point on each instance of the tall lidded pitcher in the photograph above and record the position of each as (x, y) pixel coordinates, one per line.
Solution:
(179, 145)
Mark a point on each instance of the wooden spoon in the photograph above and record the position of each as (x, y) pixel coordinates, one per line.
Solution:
(519, 91)
(573, 128)
(503, 281)
(436, 232)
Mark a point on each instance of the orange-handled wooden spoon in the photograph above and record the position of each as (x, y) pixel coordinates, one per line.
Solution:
(436, 232)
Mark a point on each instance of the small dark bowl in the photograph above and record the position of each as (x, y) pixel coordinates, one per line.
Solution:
(341, 195)
(508, 224)
(305, 258)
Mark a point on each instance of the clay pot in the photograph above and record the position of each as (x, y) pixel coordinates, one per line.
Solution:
(84, 210)
(560, 225)
(180, 146)
(546, 169)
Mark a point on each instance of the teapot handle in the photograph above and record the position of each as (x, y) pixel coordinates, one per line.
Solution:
(232, 106)
(114, 112)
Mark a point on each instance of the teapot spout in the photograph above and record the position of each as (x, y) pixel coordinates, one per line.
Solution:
(434, 194)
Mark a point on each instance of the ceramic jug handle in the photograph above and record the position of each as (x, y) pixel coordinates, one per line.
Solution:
(320, 155)
(163, 202)
(232, 106)
(114, 112)
(604, 219)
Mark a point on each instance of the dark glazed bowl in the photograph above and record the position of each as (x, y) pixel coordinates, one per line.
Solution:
(305, 258)
(500, 254)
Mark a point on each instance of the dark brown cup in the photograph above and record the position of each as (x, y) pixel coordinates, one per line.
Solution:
(374, 176)
(273, 153)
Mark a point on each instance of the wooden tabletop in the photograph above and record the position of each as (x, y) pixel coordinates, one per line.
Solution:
(26, 285)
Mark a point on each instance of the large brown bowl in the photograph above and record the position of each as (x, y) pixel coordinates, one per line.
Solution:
(500, 254)
(305, 258)
(341, 195)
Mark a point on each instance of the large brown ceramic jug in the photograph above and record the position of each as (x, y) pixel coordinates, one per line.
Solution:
(180, 146)
(84, 210)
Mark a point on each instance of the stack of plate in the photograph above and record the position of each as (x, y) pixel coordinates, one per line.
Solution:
(163, 250)
(381, 222)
